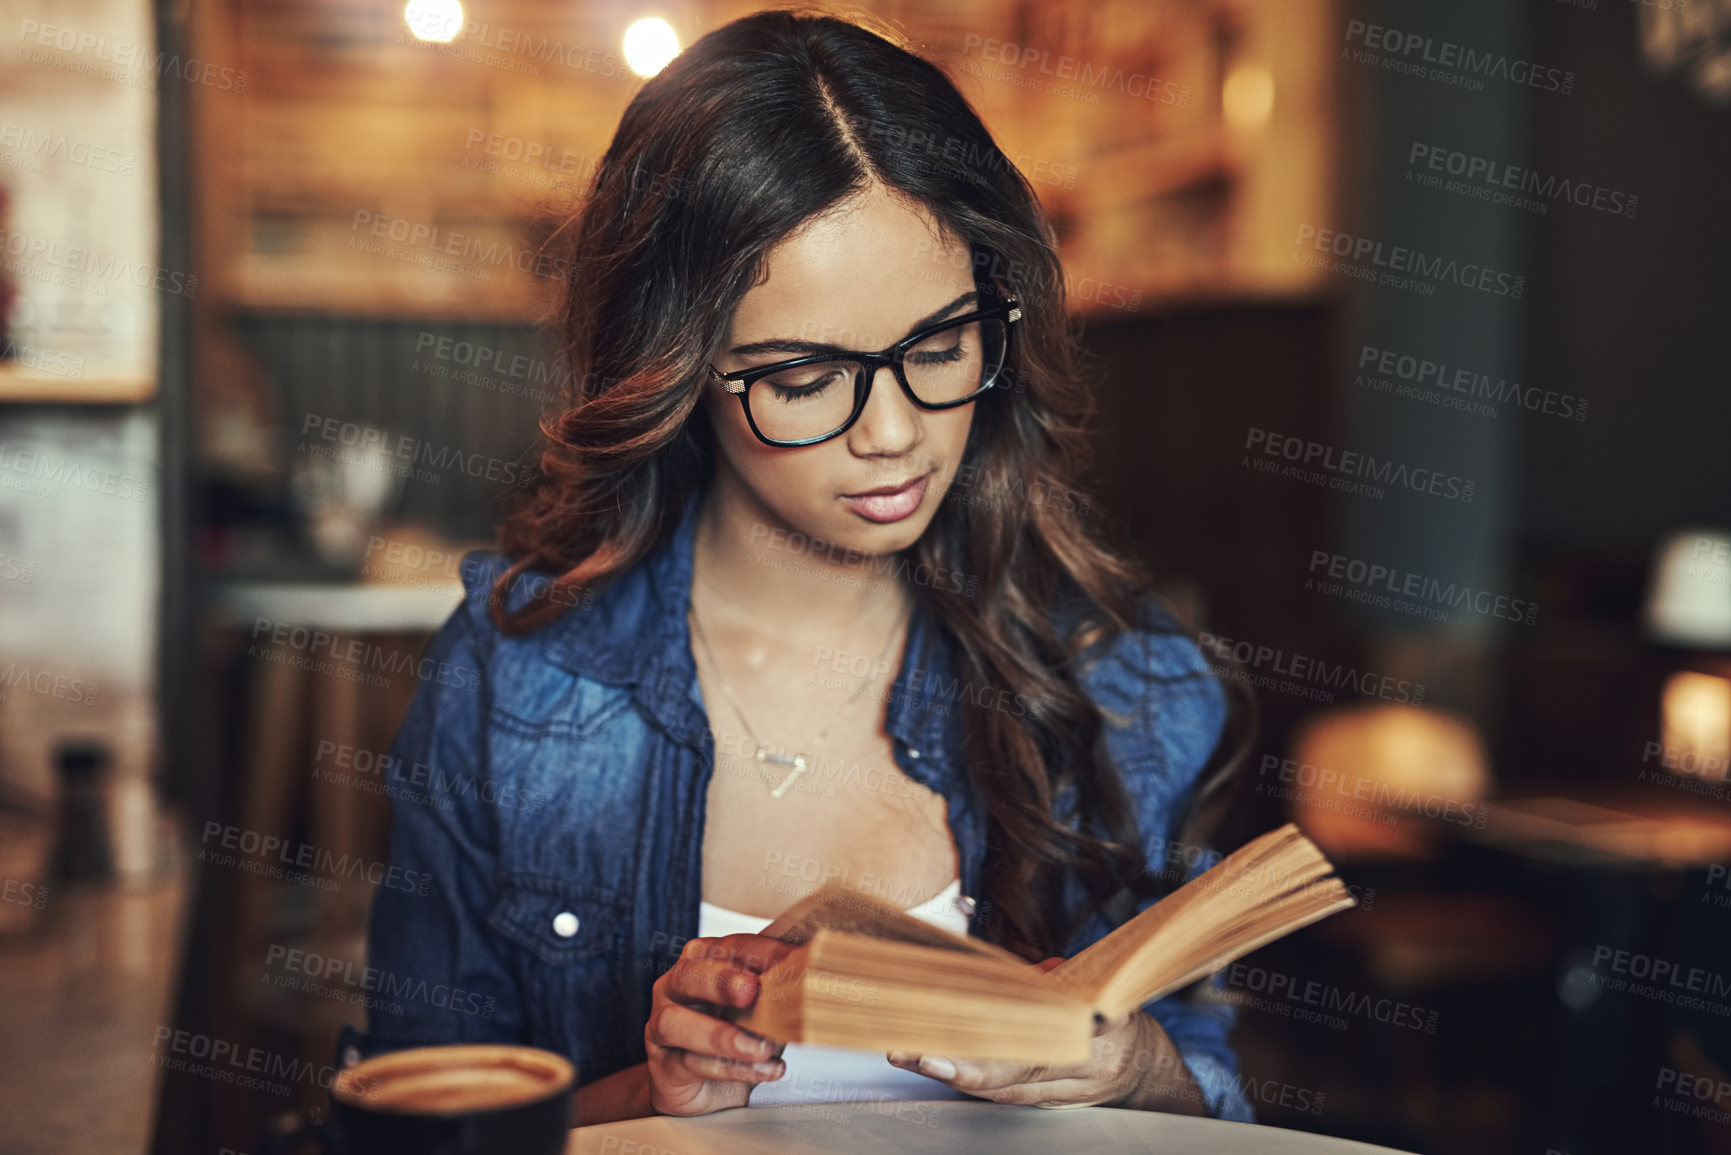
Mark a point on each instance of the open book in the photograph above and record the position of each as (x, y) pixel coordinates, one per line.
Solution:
(870, 976)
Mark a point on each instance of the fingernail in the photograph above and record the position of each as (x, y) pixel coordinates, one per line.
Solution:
(747, 1045)
(773, 1067)
(937, 1068)
(899, 1056)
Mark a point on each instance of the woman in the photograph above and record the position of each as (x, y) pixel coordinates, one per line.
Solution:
(825, 425)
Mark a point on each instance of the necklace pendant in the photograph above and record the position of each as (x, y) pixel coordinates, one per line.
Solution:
(797, 761)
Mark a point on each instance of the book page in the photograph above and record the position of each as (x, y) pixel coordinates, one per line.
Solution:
(1271, 886)
(870, 993)
(1084, 974)
(1267, 888)
(838, 908)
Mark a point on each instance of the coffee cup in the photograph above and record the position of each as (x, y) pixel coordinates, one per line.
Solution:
(470, 1099)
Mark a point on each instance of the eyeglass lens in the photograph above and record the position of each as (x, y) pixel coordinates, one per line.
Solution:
(814, 399)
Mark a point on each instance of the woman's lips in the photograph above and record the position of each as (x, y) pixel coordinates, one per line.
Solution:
(884, 507)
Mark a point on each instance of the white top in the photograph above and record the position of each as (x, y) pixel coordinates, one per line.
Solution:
(818, 1074)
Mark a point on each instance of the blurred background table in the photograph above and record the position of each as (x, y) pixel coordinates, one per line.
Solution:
(950, 1125)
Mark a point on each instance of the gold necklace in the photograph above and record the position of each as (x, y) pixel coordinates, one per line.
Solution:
(798, 762)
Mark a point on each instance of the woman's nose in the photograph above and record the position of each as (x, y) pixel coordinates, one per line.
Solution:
(891, 423)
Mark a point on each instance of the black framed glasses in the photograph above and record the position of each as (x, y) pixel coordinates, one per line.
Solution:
(807, 399)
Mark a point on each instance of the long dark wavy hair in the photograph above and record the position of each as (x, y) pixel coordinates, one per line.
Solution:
(747, 134)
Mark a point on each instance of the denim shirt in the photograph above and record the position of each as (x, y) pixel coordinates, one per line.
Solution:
(553, 785)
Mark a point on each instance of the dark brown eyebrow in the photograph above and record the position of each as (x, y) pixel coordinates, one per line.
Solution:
(788, 345)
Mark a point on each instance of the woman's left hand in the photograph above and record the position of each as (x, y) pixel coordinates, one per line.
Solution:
(1127, 1055)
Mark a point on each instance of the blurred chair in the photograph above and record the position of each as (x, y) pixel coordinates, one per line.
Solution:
(1394, 784)
(1389, 792)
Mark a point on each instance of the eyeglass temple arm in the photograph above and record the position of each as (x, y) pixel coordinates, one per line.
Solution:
(729, 386)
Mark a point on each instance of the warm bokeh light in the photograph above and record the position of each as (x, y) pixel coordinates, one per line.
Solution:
(1698, 722)
(649, 44)
(1361, 777)
(1248, 96)
(437, 21)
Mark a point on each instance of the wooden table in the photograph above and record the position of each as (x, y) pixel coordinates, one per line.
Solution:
(958, 1125)
(1631, 829)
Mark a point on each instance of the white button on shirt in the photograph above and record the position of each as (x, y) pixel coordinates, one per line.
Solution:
(564, 924)
(820, 1074)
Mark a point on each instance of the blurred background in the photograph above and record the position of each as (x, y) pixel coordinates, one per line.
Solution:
(1408, 323)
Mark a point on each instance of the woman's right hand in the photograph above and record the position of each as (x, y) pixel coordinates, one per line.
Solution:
(699, 1062)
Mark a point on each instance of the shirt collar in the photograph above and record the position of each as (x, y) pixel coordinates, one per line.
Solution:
(635, 633)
